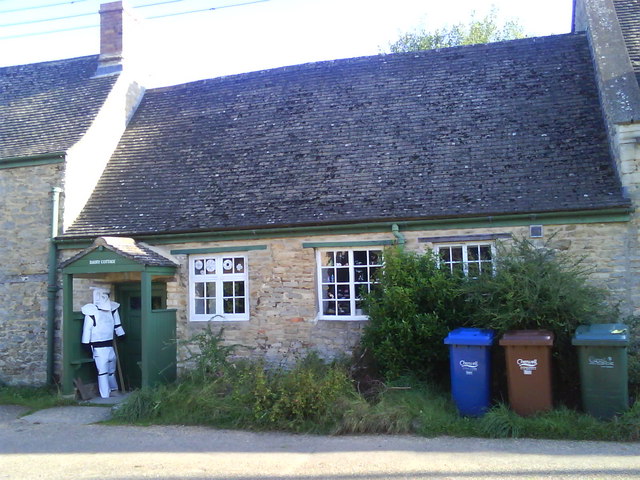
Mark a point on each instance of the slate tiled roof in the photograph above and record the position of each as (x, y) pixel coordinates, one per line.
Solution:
(46, 107)
(628, 12)
(512, 127)
(128, 248)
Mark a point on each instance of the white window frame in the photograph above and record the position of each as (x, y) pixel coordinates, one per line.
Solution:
(219, 278)
(355, 314)
(465, 255)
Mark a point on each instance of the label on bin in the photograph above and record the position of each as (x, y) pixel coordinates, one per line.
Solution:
(469, 367)
(602, 362)
(528, 366)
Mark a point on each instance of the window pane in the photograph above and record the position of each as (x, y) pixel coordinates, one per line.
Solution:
(211, 306)
(199, 289)
(198, 266)
(474, 269)
(329, 291)
(374, 274)
(239, 289)
(485, 252)
(375, 257)
(328, 275)
(486, 267)
(445, 254)
(227, 289)
(156, 303)
(343, 291)
(328, 259)
(361, 290)
(199, 306)
(238, 265)
(456, 267)
(228, 305)
(344, 308)
(210, 265)
(360, 258)
(211, 289)
(456, 254)
(329, 308)
(227, 265)
(342, 274)
(239, 305)
(361, 274)
(472, 253)
(342, 259)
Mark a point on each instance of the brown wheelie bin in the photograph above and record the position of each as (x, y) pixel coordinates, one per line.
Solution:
(528, 359)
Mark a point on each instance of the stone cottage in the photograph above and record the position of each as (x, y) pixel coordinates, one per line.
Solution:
(262, 202)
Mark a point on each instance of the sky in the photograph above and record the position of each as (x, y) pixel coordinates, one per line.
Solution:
(234, 36)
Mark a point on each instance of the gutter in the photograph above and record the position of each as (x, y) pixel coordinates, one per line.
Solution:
(606, 215)
(52, 288)
(32, 160)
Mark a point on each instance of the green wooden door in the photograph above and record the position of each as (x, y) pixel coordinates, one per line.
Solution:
(130, 348)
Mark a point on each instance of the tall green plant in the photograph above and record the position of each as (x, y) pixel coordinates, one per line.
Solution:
(410, 313)
(540, 288)
(534, 288)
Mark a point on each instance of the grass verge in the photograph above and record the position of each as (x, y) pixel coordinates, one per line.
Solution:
(34, 398)
(321, 399)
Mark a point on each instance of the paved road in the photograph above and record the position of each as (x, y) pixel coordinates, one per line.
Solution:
(57, 444)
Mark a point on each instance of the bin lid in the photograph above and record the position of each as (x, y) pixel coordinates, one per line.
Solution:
(527, 337)
(470, 336)
(605, 334)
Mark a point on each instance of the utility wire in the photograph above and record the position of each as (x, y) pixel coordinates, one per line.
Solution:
(41, 6)
(48, 32)
(25, 9)
(96, 26)
(158, 3)
(207, 9)
(42, 20)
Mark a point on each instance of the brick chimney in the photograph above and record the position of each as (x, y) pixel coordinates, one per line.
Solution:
(117, 28)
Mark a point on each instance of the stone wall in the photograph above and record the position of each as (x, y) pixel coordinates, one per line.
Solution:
(25, 229)
(283, 324)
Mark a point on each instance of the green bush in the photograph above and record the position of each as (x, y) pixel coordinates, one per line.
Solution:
(207, 351)
(247, 395)
(300, 397)
(410, 313)
(540, 288)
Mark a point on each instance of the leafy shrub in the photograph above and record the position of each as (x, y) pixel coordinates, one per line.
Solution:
(243, 394)
(537, 288)
(403, 406)
(300, 397)
(540, 288)
(633, 323)
(208, 352)
(410, 313)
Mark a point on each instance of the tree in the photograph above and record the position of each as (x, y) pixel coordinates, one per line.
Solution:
(484, 30)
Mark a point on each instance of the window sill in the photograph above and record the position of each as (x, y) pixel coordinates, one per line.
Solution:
(328, 318)
(218, 319)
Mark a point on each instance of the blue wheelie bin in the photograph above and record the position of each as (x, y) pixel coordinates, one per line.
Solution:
(470, 361)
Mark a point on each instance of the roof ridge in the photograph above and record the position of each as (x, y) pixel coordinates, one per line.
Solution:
(364, 58)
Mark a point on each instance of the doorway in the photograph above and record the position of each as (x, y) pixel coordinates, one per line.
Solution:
(129, 296)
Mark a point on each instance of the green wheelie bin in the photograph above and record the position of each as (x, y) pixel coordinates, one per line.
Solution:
(602, 357)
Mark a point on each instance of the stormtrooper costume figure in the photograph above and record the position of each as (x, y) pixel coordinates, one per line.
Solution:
(101, 321)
